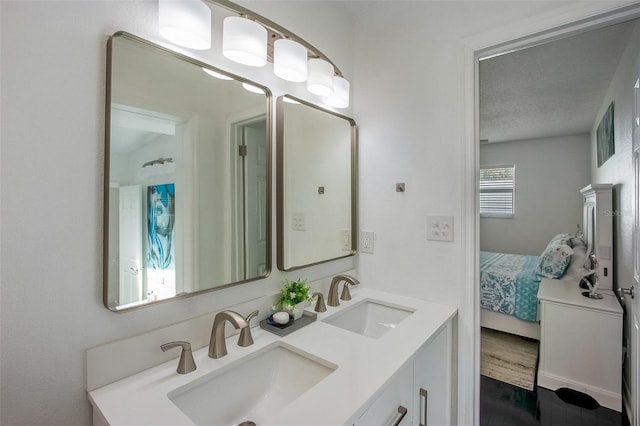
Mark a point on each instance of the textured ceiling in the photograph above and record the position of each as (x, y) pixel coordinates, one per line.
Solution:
(554, 89)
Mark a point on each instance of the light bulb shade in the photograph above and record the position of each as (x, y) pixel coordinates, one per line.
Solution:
(253, 89)
(244, 41)
(320, 77)
(340, 97)
(290, 60)
(216, 74)
(186, 23)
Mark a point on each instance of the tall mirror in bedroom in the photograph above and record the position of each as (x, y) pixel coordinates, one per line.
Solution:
(316, 180)
(187, 177)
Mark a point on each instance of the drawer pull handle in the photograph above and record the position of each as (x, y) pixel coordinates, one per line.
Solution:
(401, 412)
(423, 393)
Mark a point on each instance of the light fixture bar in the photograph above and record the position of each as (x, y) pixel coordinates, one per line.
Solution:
(275, 32)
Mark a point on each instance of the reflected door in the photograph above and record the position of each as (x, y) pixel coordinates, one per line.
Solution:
(130, 236)
(255, 140)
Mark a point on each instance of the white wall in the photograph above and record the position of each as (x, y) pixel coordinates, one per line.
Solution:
(549, 175)
(410, 105)
(404, 61)
(618, 170)
(52, 131)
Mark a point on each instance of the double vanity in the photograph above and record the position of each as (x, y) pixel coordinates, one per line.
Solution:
(379, 358)
(188, 152)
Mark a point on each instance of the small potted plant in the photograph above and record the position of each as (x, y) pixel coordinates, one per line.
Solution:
(294, 297)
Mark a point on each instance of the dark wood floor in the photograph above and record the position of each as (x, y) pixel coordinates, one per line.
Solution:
(502, 404)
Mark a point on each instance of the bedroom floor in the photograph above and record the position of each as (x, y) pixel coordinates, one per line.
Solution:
(502, 404)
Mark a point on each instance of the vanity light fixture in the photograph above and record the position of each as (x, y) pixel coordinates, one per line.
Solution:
(340, 97)
(244, 41)
(253, 40)
(290, 60)
(186, 23)
(320, 78)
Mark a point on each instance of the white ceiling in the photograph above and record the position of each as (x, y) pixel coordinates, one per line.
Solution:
(554, 89)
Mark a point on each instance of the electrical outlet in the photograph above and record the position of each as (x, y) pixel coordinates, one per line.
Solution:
(440, 228)
(345, 239)
(367, 241)
(299, 222)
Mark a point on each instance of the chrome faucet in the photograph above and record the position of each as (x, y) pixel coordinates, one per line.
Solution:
(332, 298)
(217, 344)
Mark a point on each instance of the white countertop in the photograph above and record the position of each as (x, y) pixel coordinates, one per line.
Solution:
(364, 366)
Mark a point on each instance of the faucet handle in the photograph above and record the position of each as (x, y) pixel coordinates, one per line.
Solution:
(346, 294)
(186, 363)
(246, 339)
(320, 305)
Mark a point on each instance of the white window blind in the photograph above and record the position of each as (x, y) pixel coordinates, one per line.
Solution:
(496, 191)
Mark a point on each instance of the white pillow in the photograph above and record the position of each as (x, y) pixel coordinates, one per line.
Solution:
(554, 260)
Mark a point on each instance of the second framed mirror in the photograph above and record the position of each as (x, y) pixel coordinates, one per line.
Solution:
(316, 184)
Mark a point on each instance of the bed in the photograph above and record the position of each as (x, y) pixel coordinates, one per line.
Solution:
(508, 293)
(509, 282)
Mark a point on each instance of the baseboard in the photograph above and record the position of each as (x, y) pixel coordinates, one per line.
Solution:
(605, 398)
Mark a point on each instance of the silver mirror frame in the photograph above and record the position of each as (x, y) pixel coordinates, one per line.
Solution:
(269, 151)
(280, 198)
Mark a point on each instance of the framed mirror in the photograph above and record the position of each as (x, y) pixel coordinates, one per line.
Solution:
(187, 176)
(316, 183)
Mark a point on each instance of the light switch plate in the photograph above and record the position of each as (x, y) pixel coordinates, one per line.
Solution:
(367, 240)
(440, 228)
(345, 239)
(299, 222)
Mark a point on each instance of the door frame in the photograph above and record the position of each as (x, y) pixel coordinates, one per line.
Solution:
(235, 126)
(561, 22)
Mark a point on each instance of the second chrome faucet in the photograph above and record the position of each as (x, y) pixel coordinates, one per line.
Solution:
(217, 344)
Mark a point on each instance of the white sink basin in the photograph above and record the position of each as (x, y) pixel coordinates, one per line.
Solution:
(369, 317)
(251, 388)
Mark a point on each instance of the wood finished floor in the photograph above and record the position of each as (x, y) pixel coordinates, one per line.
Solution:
(502, 404)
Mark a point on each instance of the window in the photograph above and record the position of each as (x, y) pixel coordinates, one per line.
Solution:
(497, 186)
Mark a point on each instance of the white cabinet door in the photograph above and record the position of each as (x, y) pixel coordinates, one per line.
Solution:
(393, 405)
(432, 385)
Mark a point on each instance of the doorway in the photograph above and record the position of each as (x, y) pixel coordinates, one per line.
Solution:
(576, 21)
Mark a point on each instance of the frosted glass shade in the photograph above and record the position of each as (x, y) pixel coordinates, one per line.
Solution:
(340, 97)
(186, 23)
(290, 60)
(320, 77)
(244, 41)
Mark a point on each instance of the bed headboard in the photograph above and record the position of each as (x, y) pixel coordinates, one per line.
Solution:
(597, 223)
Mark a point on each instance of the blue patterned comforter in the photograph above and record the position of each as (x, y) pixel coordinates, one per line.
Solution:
(509, 284)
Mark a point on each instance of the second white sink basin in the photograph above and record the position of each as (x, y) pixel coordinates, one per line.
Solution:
(251, 388)
(372, 318)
